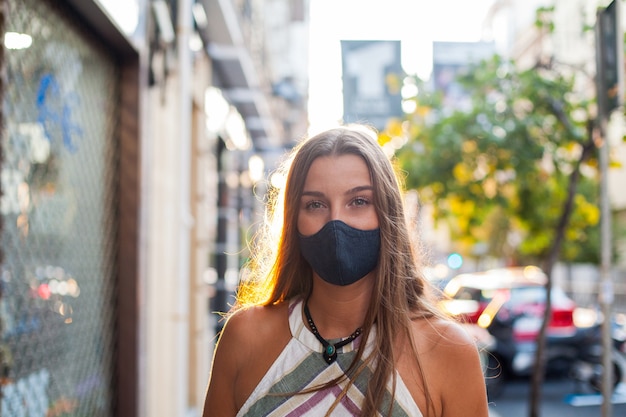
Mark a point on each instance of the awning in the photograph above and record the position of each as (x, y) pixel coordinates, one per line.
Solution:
(234, 72)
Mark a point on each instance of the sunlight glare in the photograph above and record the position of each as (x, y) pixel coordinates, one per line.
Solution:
(416, 23)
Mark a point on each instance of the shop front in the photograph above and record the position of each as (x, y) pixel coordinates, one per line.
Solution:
(69, 178)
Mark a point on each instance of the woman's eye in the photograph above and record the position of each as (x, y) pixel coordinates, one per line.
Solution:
(360, 201)
(312, 205)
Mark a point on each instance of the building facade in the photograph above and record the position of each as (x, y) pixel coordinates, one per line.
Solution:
(134, 139)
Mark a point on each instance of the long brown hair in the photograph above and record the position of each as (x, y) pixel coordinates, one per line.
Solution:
(400, 292)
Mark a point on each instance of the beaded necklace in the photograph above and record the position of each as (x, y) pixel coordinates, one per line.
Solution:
(330, 350)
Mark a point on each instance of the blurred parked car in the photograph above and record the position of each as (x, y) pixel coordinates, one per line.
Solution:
(509, 303)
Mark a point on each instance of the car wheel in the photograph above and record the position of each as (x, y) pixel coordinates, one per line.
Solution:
(596, 379)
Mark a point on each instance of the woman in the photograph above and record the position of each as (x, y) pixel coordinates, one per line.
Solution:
(342, 322)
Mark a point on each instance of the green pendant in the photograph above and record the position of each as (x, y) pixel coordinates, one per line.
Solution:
(330, 354)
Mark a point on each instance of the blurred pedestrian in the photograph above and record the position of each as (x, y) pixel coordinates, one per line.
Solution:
(336, 318)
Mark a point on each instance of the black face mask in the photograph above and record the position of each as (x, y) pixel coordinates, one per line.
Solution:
(341, 254)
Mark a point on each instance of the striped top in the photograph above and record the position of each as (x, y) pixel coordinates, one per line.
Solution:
(301, 365)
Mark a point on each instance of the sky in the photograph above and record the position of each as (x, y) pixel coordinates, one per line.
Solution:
(416, 23)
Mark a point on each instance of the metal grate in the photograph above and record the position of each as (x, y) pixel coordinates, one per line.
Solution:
(58, 176)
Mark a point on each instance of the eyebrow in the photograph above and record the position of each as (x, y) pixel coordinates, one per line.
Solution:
(350, 191)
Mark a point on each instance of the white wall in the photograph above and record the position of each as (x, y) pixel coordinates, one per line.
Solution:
(163, 318)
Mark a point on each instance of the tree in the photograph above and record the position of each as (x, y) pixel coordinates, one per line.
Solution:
(515, 170)
(498, 172)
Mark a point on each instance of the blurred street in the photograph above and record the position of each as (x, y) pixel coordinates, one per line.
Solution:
(559, 398)
(141, 141)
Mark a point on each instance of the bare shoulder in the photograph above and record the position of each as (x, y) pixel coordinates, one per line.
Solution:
(249, 324)
(442, 333)
(448, 358)
(243, 355)
(248, 330)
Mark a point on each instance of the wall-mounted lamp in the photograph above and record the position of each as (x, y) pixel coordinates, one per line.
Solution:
(216, 109)
(237, 135)
(14, 40)
(199, 16)
(163, 21)
(256, 168)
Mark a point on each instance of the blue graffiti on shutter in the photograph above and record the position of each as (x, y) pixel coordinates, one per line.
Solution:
(50, 115)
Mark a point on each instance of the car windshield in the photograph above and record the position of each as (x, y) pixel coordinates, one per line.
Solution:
(527, 295)
(533, 294)
(475, 294)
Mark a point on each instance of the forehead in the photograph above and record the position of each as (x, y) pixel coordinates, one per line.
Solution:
(341, 170)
